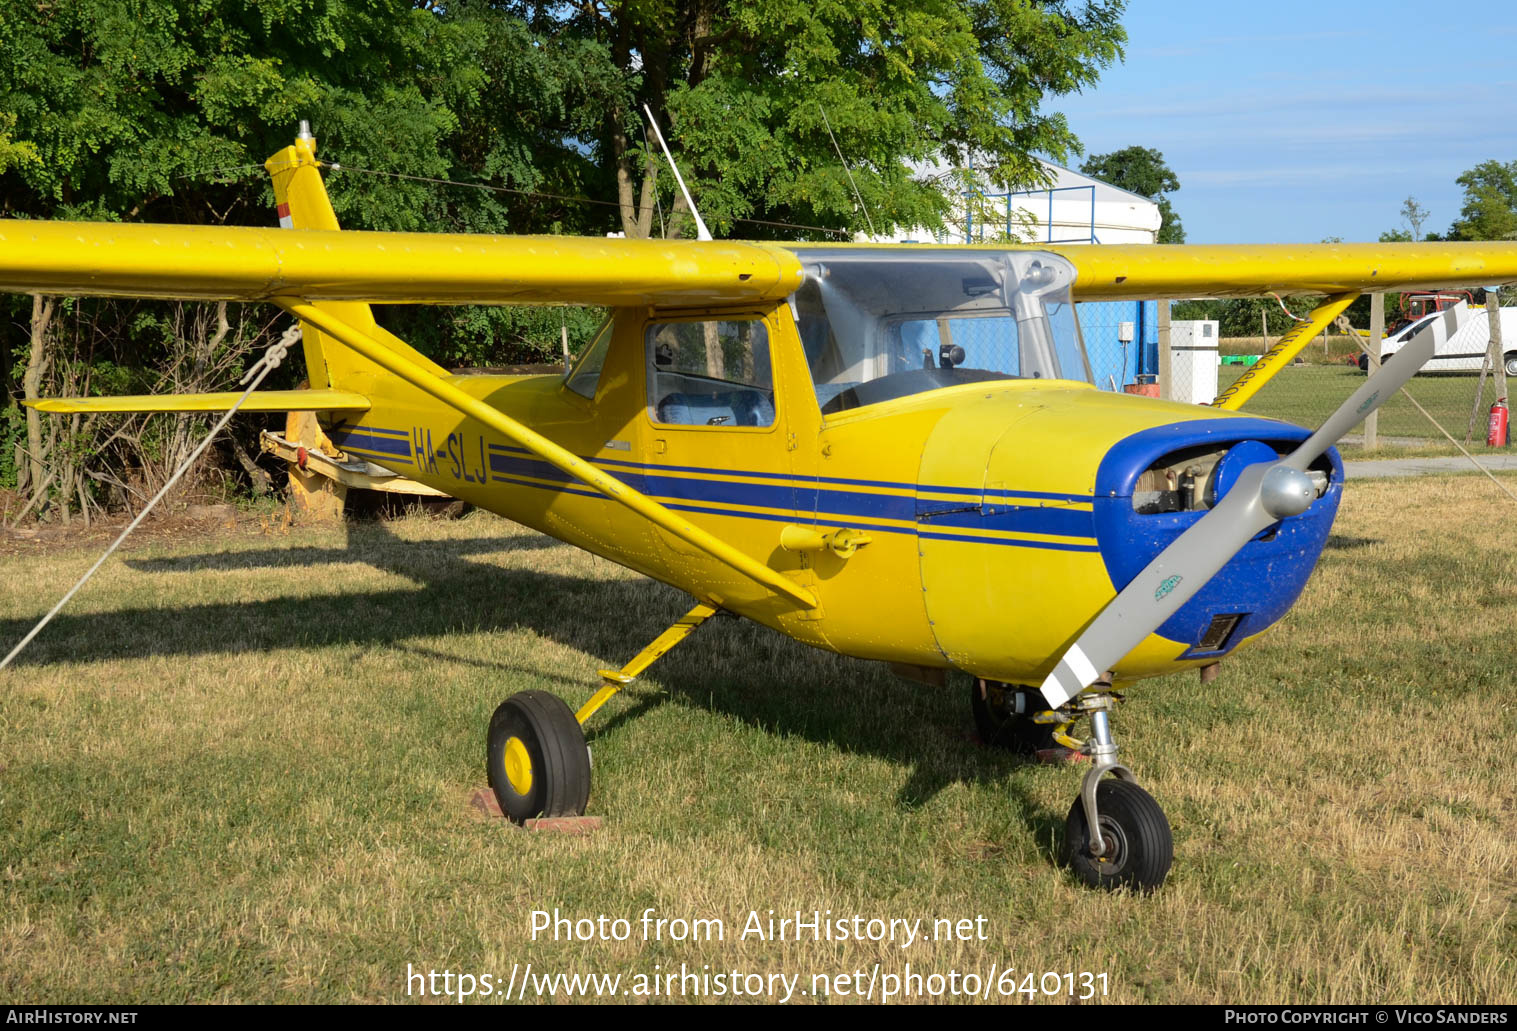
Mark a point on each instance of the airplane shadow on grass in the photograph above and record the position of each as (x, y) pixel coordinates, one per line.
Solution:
(730, 666)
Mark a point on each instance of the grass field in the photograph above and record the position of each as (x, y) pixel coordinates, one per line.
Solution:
(237, 769)
(1307, 394)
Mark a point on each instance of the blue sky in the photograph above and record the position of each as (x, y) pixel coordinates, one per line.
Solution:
(1293, 121)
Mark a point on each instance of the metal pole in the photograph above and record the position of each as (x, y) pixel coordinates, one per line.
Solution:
(1377, 332)
(1166, 384)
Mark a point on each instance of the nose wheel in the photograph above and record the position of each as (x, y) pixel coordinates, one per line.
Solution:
(1138, 848)
(1115, 836)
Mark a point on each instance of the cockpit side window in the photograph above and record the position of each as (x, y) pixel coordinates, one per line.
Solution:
(710, 373)
(585, 376)
(1069, 341)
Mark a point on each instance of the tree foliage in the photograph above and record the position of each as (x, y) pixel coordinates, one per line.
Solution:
(143, 111)
(1142, 170)
(745, 93)
(1244, 316)
(1490, 203)
(1415, 216)
(140, 110)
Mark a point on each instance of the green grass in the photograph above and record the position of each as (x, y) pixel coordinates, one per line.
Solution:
(1308, 394)
(237, 769)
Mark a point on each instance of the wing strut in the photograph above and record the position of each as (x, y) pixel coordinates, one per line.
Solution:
(1281, 355)
(545, 449)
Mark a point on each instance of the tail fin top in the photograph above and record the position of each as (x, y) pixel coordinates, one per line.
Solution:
(300, 197)
(301, 201)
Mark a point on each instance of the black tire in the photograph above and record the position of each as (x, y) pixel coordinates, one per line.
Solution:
(1511, 363)
(1139, 848)
(1364, 363)
(998, 724)
(547, 771)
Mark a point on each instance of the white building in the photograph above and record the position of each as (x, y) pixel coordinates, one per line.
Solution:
(1076, 208)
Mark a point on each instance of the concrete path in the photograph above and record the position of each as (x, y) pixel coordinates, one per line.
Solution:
(1427, 466)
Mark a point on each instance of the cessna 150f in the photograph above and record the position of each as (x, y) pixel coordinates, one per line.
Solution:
(895, 453)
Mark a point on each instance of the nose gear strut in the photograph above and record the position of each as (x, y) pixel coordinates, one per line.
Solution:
(1115, 835)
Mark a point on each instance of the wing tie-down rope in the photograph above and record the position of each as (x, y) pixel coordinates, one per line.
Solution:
(254, 376)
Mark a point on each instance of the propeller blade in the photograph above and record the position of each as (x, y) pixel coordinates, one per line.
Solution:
(1163, 586)
(1394, 374)
(1264, 494)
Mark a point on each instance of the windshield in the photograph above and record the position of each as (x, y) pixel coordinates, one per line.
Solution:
(879, 324)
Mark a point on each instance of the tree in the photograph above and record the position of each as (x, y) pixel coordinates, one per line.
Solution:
(520, 116)
(1414, 215)
(13, 152)
(134, 110)
(745, 93)
(1242, 316)
(1490, 203)
(1142, 170)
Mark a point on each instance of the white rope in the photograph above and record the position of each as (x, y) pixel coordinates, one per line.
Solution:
(254, 376)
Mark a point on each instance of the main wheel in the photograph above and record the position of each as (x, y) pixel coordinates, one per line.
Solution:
(536, 758)
(998, 723)
(1364, 362)
(1139, 848)
(1511, 363)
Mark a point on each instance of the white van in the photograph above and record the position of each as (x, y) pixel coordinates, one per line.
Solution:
(1466, 348)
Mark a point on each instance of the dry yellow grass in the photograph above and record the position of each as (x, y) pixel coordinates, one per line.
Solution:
(237, 770)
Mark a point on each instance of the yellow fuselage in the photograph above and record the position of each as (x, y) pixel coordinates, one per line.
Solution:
(977, 498)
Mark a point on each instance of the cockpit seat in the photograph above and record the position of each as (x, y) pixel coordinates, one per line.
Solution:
(728, 408)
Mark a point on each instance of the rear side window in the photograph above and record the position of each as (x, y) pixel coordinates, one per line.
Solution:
(586, 375)
(711, 373)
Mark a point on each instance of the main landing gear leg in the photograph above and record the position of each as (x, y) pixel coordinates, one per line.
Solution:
(535, 752)
(1115, 836)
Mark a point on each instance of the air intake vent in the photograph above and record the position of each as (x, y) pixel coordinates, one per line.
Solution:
(1221, 629)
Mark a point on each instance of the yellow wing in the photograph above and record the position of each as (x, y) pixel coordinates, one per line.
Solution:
(198, 262)
(218, 263)
(315, 261)
(1228, 270)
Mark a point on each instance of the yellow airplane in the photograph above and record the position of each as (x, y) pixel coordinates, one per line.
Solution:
(894, 453)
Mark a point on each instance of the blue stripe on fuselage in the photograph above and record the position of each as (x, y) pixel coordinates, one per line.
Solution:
(796, 496)
(1060, 522)
(366, 441)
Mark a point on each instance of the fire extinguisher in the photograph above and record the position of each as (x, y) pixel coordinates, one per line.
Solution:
(1496, 437)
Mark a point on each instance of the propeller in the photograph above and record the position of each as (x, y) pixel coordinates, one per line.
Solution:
(1264, 494)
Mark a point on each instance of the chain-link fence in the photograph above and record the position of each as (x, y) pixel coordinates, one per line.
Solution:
(1122, 340)
(1328, 370)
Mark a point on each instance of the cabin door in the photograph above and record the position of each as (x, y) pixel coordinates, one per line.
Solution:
(719, 447)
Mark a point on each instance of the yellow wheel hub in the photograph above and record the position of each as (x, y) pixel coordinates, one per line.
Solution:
(518, 766)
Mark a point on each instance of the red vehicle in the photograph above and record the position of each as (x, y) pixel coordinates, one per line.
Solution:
(1417, 306)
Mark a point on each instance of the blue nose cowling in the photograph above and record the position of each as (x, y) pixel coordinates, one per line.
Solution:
(1264, 578)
